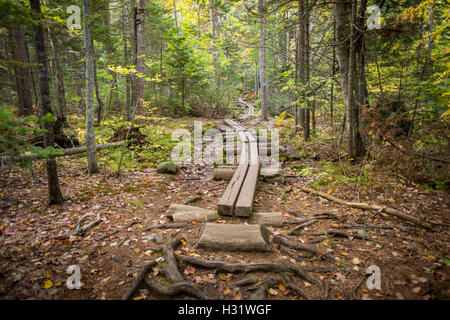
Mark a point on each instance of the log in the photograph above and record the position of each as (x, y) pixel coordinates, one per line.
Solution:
(66, 152)
(366, 206)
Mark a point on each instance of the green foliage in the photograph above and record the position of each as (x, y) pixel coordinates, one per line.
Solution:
(14, 130)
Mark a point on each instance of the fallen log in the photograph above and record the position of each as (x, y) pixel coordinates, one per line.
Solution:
(366, 206)
(66, 152)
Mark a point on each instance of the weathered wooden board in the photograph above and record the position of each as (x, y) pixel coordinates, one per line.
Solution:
(233, 237)
(244, 204)
(229, 198)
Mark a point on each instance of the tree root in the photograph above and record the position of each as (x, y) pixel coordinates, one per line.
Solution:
(129, 293)
(297, 290)
(172, 272)
(175, 289)
(366, 206)
(298, 246)
(247, 268)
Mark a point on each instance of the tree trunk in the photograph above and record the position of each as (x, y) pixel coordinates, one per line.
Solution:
(21, 71)
(140, 62)
(346, 34)
(90, 83)
(54, 192)
(59, 78)
(126, 59)
(262, 57)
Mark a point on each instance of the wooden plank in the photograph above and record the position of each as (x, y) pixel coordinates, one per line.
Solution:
(229, 198)
(244, 204)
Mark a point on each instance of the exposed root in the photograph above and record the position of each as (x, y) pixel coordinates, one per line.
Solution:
(172, 272)
(297, 290)
(298, 246)
(175, 289)
(129, 293)
(247, 268)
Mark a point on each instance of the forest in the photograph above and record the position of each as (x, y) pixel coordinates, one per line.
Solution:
(346, 198)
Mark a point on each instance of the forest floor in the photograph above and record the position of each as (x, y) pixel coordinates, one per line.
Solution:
(33, 265)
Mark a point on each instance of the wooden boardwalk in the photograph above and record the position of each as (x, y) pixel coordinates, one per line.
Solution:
(240, 192)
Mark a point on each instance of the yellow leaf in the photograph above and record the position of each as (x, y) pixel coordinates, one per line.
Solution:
(281, 287)
(432, 257)
(223, 277)
(137, 250)
(238, 297)
(183, 242)
(226, 291)
(343, 253)
(47, 284)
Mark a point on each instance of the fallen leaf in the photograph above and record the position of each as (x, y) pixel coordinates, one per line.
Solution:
(273, 292)
(47, 284)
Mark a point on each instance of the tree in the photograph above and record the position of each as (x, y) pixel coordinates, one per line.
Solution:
(90, 83)
(262, 9)
(54, 192)
(346, 36)
(21, 71)
(58, 78)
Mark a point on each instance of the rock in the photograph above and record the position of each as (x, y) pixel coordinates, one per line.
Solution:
(266, 218)
(167, 167)
(184, 213)
(234, 237)
(272, 174)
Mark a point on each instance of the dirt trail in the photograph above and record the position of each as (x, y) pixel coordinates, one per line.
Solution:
(33, 265)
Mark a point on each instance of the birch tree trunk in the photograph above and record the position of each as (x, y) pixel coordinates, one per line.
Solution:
(90, 84)
(54, 192)
(126, 59)
(262, 57)
(140, 55)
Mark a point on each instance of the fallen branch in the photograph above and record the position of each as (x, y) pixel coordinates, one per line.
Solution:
(416, 154)
(366, 206)
(66, 152)
(370, 227)
(338, 234)
(247, 268)
(168, 226)
(81, 230)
